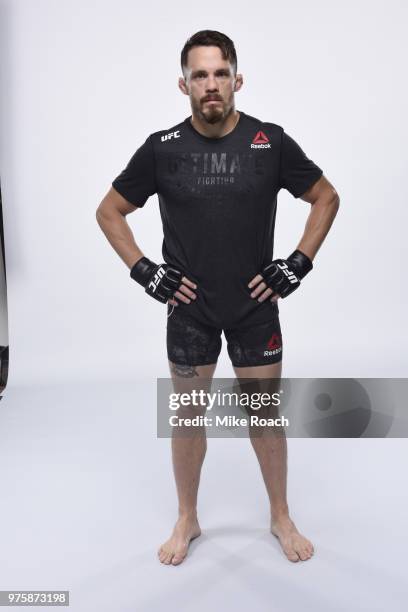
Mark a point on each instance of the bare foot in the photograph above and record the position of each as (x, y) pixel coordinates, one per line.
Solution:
(294, 544)
(175, 549)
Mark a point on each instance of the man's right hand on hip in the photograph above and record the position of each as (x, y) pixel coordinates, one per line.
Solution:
(161, 281)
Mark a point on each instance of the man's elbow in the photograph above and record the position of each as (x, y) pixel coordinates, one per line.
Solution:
(333, 203)
(99, 214)
(102, 214)
(331, 199)
(335, 198)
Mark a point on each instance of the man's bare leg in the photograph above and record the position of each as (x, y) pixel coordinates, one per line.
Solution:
(271, 452)
(188, 455)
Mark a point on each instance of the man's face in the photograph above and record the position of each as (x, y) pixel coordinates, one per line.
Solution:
(210, 83)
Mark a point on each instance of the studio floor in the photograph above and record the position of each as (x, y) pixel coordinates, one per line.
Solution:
(88, 496)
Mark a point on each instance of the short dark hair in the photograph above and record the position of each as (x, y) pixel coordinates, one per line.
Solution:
(211, 38)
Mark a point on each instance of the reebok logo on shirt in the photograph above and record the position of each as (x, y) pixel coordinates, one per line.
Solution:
(260, 141)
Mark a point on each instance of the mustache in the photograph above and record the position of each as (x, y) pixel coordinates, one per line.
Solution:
(208, 98)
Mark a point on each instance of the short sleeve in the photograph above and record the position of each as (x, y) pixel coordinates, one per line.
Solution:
(297, 172)
(136, 182)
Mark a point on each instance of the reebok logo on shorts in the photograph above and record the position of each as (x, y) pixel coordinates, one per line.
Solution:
(274, 346)
(260, 141)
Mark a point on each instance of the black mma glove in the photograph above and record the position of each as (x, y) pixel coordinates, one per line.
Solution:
(160, 281)
(283, 276)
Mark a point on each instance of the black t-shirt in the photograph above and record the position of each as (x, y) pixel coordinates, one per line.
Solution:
(217, 200)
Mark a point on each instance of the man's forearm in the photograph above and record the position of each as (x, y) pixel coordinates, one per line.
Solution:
(322, 214)
(117, 231)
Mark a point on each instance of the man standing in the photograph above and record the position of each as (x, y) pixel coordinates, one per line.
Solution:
(217, 175)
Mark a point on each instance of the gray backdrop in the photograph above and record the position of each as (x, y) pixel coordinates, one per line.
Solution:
(84, 83)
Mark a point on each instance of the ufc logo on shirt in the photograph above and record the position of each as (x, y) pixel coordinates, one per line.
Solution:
(292, 278)
(171, 135)
(154, 283)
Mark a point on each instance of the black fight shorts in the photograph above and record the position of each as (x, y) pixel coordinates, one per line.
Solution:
(192, 343)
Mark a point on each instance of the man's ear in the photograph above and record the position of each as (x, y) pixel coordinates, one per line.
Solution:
(182, 85)
(239, 80)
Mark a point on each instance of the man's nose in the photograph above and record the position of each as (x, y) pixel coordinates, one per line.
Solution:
(211, 84)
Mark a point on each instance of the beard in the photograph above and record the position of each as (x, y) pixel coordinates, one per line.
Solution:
(212, 113)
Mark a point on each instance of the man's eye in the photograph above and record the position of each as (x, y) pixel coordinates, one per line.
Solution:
(223, 75)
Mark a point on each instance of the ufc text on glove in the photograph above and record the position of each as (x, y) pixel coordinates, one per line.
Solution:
(283, 276)
(160, 281)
